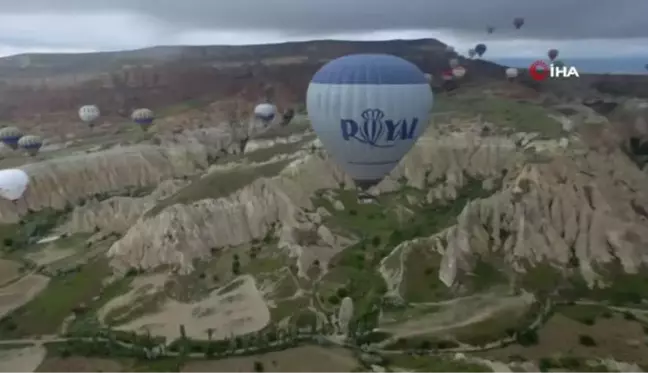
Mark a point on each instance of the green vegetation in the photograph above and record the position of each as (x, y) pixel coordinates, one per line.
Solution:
(219, 184)
(65, 294)
(586, 314)
(569, 364)
(33, 227)
(505, 113)
(438, 363)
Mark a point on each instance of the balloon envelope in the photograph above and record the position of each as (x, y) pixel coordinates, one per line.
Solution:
(89, 113)
(553, 53)
(13, 183)
(518, 22)
(480, 49)
(10, 136)
(511, 72)
(265, 111)
(143, 117)
(368, 110)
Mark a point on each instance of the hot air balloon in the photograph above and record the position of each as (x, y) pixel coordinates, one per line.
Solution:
(143, 117)
(511, 73)
(447, 75)
(265, 112)
(89, 114)
(553, 53)
(10, 136)
(429, 78)
(453, 62)
(480, 49)
(287, 116)
(31, 144)
(490, 29)
(518, 22)
(13, 183)
(368, 111)
(459, 72)
(472, 53)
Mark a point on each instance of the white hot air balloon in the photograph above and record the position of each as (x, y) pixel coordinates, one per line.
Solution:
(453, 62)
(31, 144)
(89, 114)
(511, 73)
(10, 136)
(368, 110)
(429, 78)
(13, 183)
(143, 117)
(265, 112)
(459, 72)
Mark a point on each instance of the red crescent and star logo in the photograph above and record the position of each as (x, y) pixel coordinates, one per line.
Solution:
(539, 70)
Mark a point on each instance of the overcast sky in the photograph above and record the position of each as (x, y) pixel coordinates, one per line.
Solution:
(579, 28)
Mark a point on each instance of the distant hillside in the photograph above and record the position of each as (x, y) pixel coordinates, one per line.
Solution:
(35, 88)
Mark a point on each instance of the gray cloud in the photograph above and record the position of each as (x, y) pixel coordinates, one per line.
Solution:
(545, 19)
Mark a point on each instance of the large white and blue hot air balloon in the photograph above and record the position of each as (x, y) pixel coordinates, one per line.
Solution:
(368, 110)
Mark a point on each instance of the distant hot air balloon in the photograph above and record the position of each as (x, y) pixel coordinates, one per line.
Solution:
(459, 72)
(10, 136)
(447, 75)
(553, 53)
(511, 73)
(143, 117)
(480, 49)
(31, 144)
(429, 78)
(13, 183)
(287, 116)
(453, 62)
(89, 114)
(518, 22)
(368, 111)
(471, 53)
(490, 29)
(265, 112)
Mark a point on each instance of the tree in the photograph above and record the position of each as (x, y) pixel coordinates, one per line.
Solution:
(586, 340)
(375, 241)
(258, 366)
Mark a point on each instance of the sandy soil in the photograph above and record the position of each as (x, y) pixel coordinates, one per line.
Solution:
(49, 255)
(21, 292)
(237, 312)
(459, 314)
(79, 364)
(141, 286)
(616, 338)
(300, 359)
(9, 270)
(22, 360)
